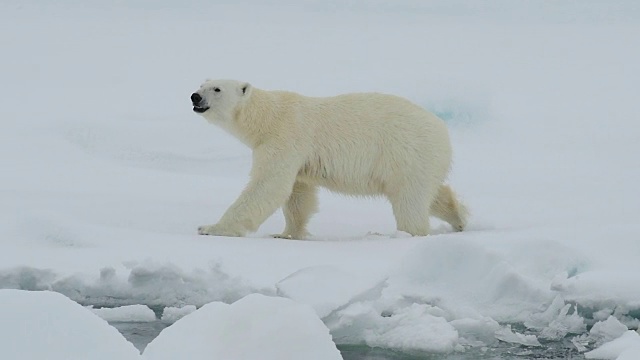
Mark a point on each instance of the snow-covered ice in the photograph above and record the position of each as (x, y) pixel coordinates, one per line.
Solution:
(331, 288)
(47, 325)
(254, 327)
(107, 173)
(625, 347)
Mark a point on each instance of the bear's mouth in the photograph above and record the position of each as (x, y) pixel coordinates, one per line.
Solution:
(200, 109)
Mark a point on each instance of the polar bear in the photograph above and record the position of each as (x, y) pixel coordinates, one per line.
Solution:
(357, 144)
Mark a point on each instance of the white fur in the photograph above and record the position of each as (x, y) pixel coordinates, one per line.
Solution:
(357, 144)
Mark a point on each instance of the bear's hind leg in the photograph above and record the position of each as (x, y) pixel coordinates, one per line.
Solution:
(411, 210)
(447, 207)
(302, 204)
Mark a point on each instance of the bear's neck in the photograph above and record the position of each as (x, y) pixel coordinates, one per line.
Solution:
(259, 118)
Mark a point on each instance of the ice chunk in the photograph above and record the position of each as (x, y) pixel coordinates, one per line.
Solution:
(556, 322)
(476, 332)
(413, 327)
(542, 320)
(129, 313)
(173, 314)
(608, 330)
(48, 325)
(254, 327)
(564, 324)
(580, 342)
(626, 347)
(602, 314)
(507, 335)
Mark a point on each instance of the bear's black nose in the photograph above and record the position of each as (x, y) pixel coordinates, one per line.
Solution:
(196, 98)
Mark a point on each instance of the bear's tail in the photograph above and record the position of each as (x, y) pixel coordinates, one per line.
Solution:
(447, 207)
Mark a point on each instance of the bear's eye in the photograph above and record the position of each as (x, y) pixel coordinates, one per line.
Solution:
(216, 89)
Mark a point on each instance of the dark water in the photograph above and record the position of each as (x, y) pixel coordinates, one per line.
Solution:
(140, 334)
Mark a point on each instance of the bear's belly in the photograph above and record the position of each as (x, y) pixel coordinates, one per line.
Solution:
(349, 186)
(350, 173)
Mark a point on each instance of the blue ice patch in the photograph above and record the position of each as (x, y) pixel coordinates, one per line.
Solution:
(459, 113)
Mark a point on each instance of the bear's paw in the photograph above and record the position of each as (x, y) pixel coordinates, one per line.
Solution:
(217, 230)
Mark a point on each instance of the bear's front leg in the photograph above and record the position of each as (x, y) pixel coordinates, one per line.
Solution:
(273, 174)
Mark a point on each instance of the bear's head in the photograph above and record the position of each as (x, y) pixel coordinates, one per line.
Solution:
(217, 100)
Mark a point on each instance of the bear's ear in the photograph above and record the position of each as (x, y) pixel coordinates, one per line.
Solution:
(244, 89)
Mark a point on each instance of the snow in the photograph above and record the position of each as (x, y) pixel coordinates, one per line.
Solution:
(254, 327)
(129, 313)
(107, 173)
(332, 288)
(47, 325)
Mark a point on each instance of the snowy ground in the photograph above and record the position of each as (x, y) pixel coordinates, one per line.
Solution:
(107, 173)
